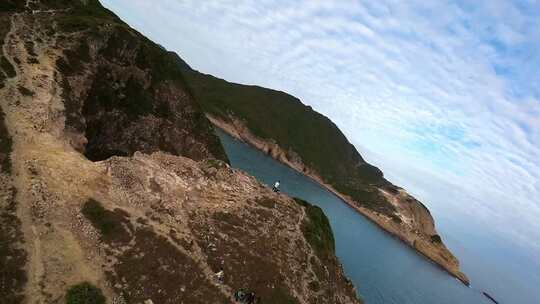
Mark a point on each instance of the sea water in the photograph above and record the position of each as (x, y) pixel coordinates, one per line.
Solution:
(382, 268)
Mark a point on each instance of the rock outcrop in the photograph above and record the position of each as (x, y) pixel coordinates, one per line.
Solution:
(111, 175)
(413, 223)
(280, 125)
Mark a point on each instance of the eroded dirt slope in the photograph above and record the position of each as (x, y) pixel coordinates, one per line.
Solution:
(80, 204)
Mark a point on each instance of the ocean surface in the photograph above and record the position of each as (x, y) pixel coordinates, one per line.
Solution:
(382, 268)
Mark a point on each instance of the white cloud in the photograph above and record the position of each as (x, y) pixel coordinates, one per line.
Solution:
(450, 89)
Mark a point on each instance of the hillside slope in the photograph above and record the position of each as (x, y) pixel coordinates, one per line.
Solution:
(293, 133)
(111, 174)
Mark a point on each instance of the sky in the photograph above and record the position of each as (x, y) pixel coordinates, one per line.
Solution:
(443, 96)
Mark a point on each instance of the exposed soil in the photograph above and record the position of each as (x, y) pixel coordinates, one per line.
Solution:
(88, 207)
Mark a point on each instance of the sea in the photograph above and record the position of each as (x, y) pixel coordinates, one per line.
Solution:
(382, 268)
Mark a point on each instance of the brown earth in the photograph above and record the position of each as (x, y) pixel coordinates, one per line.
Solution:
(416, 226)
(140, 226)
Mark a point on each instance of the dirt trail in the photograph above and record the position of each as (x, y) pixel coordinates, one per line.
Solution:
(175, 220)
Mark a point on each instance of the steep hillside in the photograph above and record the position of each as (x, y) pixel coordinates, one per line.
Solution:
(306, 135)
(296, 135)
(114, 186)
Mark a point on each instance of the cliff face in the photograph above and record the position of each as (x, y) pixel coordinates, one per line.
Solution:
(279, 118)
(111, 175)
(409, 219)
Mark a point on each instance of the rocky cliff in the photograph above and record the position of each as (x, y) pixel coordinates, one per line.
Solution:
(111, 175)
(292, 133)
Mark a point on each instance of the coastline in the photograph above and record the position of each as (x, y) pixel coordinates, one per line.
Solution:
(438, 254)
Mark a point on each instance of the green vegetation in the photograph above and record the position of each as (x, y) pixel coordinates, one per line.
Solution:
(277, 116)
(315, 286)
(85, 293)
(138, 101)
(85, 15)
(121, 91)
(163, 65)
(317, 230)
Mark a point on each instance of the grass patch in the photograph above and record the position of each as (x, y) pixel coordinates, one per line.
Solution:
(436, 239)
(314, 286)
(85, 293)
(317, 230)
(84, 15)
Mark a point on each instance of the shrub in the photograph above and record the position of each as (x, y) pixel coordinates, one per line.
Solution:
(84, 293)
(317, 230)
(436, 239)
(396, 219)
(314, 286)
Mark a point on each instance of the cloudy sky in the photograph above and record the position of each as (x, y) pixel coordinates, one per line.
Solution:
(444, 96)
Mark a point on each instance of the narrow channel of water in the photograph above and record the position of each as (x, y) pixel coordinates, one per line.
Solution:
(383, 269)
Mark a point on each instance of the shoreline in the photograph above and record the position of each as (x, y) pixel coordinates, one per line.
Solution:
(274, 151)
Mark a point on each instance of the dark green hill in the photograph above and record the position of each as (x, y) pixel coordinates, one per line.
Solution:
(278, 116)
(121, 91)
